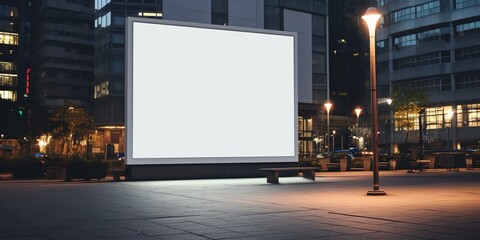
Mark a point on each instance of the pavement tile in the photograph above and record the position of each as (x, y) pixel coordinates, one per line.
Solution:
(435, 205)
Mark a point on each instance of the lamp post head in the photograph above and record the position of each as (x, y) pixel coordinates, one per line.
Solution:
(333, 132)
(389, 101)
(358, 111)
(371, 16)
(328, 105)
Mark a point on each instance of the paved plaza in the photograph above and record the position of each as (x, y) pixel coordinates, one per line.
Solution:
(436, 204)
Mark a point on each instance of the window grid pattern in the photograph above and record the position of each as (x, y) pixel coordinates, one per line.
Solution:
(8, 66)
(427, 85)
(421, 10)
(467, 28)
(8, 95)
(467, 80)
(459, 4)
(421, 60)
(468, 115)
(415, 38)
(467, 53)
(8, 80)
(428, 8)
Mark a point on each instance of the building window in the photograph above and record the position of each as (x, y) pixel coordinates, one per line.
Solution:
(437, 84)
(463, 29)
(468, 115)
(428, 8)
(407, 40)
(7, 66)
(150, 14)
(421, 60)
(421, 10)
(8, 38)
(435, 118)
(467, 80)
(402, 15)
(8, 79)
(104, 21)
(8, 95)
(467, 53)
(420, 37)
(101, 90)
(459, 4)
(99, 4)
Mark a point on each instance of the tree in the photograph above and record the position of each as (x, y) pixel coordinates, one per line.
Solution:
(406, 105)
(71, 125)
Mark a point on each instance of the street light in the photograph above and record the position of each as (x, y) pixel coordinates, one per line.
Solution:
(392, 126)
(358, 110)
(328, 105)
(333, 138)
(371, 17)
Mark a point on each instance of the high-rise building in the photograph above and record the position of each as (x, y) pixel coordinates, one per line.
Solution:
(62, 52)
(14, 80)
(349, 81)
(307, 18)
(432, 46)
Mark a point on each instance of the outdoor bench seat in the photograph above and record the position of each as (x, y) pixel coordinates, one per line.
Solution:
(273, 173)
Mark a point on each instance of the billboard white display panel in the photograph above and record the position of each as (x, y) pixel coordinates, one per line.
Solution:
(209, 94)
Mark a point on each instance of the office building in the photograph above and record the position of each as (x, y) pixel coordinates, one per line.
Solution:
(307, 18)
(14, 80)
(62, 52)
(432, 47)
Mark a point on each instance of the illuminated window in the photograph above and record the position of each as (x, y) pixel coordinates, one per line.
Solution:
(150, 14)
(101, 90)
(8, 38)
(7, 66)
(435, 118)
(8, 79)
(468, 115)
(8, 95)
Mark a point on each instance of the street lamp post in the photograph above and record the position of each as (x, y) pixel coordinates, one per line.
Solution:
(371, 17)
(391, 126)
(328, 105)
(358, 111)
(333, 141)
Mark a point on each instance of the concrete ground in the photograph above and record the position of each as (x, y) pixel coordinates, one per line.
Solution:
(436, 204)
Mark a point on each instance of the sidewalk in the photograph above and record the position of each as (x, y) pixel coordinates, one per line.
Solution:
(436, 204)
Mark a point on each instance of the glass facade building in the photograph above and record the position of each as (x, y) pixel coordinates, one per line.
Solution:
(432, 47)
(14, 54)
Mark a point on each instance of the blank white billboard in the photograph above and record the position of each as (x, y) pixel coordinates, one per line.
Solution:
(209, 94)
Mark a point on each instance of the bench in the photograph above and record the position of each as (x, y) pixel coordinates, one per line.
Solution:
(273, 173)
(419, 165)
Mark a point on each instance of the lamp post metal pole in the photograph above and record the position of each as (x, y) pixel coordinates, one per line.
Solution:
(328, 105)
(371, 16)
(358, 111)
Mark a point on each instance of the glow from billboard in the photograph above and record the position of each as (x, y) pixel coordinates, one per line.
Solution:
(199, 94)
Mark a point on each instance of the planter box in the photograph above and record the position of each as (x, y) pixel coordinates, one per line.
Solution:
(28, 170)
(393, 164)
(85, 170)
(55, 173)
